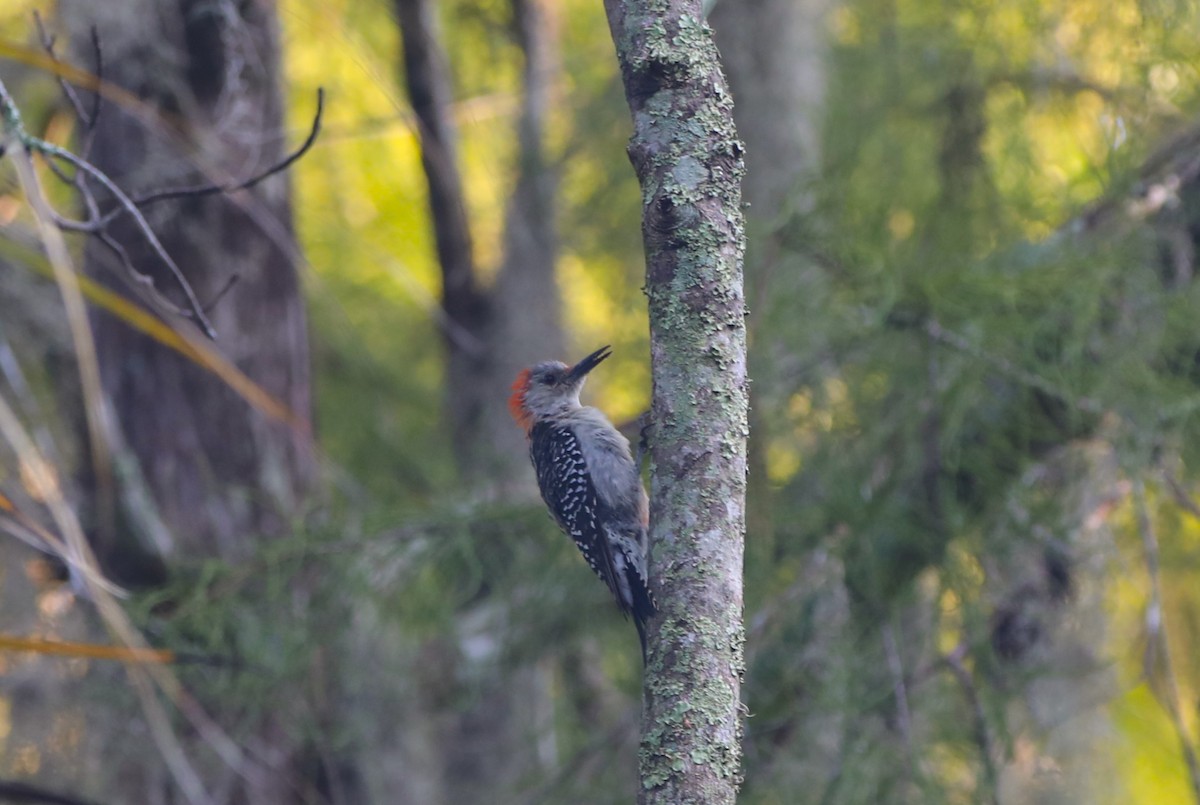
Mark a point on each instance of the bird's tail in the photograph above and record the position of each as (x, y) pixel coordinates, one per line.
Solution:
(643, 609)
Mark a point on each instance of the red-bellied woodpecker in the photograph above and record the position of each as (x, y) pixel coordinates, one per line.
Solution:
(588, 479)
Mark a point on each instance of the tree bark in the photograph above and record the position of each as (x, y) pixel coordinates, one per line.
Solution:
(689, 163)
(218, 472)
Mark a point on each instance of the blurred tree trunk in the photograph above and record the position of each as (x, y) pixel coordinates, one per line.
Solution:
(487, 747)
(688, 160)
(427, 78)
(773, 52)
(1048, 630)
(775, 55)
(489, 333)
(218, 472)
(526, 322)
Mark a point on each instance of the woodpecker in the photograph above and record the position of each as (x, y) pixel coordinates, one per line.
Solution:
(588, 479)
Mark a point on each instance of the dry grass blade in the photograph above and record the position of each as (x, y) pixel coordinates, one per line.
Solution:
(33, 57)
(81, 333)
(114, 618)
(35, 535)
(1156, 628)
(196, 350)
(92, 651)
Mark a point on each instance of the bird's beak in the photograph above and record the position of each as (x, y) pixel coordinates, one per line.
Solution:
(580, 370)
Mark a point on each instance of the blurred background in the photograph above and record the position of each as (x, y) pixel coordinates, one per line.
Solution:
(973, 544)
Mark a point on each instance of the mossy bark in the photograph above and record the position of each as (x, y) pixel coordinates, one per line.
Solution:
(688, 159)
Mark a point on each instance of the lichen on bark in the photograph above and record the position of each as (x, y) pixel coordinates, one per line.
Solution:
(688, 159)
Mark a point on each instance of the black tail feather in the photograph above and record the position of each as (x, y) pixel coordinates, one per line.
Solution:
(643, 608)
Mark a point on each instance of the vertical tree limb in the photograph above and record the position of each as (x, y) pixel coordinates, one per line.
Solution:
(428, 83)
(490, 333)
(216, 471)
(526, 324)
(688, 159)
(427, 79)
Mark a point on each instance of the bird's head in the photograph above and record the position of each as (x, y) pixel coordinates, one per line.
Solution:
(550, 388)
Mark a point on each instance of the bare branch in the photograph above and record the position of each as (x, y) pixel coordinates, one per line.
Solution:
(51, 150)
(213, 188)
(89, 137)
(68, 91)
(224, 289)
(138, 277)
(95, 223)
(1180, 494)
(14, 130)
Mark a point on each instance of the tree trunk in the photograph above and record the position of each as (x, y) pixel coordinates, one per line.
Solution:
(465, 307)
(489, 334)
(485, 748)
(219, 472)
(775, 55)
(689, 162)
(526, 321)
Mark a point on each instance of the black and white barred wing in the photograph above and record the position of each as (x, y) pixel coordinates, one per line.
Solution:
(569, 493)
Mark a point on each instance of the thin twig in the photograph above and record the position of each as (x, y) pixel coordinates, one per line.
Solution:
(81, 334)
(1181, 496)
(954, 662)
(114, 246)
(197, 312)
(1158, 637)
(68, 91)
(220, 294)
(896, 669)
(952, 339)
(89, 136)
(63, 177)
(213, 188)
(87, 119)
(15, 130)
(97, 224)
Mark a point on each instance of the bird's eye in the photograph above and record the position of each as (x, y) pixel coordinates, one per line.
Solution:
(550, 378)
